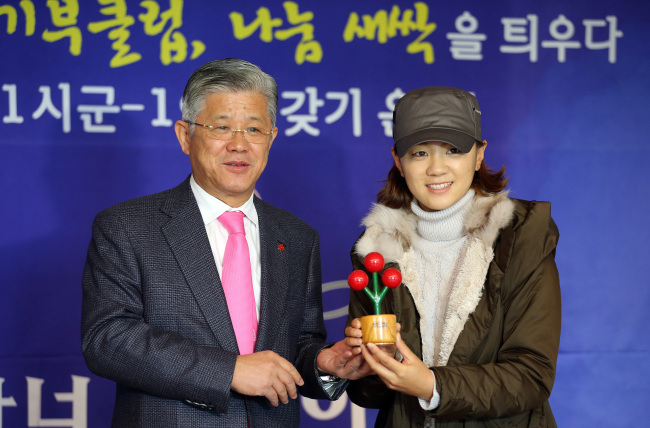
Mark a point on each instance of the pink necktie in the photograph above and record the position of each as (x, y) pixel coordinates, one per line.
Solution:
(237, 282)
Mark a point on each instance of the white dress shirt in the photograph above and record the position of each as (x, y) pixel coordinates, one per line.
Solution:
(211, 208)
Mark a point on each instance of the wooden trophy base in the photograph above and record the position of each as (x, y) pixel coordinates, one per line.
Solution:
(379, 329)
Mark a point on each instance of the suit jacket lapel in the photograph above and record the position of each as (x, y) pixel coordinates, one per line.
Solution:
(188, 240)
(275, 277)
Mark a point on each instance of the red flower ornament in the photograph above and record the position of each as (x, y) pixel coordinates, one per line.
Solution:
(391, 278)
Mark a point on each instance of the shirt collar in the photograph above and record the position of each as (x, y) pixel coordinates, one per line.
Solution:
(211, 207)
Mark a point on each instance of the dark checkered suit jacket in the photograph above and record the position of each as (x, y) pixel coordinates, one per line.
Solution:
(155, 319)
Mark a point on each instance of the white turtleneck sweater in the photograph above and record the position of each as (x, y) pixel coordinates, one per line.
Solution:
(438, 250)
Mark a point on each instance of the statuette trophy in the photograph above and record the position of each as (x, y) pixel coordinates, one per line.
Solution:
(379, 328)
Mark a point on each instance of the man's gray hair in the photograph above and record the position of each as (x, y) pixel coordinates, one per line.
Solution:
(227, 75)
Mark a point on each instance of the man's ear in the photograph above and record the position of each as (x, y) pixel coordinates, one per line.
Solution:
(273, 135)
(182, 130)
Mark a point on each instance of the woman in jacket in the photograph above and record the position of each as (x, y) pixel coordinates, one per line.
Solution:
(479, 306)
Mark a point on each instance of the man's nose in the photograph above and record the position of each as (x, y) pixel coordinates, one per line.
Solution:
(237, 141)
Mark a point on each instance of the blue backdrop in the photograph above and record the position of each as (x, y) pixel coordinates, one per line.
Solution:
(90, 91)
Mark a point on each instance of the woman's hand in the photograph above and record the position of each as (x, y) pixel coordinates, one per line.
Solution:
(353, 339)
(411, 376)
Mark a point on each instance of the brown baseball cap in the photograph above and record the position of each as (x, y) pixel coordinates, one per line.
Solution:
(436, 113)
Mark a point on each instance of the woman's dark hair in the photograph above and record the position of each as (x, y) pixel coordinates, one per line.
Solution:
(396, 194)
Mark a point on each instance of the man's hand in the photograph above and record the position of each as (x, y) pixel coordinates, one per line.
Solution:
(339, 361)
(266, 374)
(353, 336)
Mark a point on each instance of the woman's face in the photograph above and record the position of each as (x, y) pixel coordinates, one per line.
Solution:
(438, 174)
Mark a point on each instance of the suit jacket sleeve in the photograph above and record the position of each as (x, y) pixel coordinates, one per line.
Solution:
(120, 345)
(292, 309)
(313, 333)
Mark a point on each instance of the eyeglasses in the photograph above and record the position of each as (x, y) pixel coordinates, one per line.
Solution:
(225, 133)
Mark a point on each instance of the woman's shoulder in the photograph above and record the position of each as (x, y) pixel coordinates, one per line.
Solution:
(487, 216)
(531, 237)
(533, 218)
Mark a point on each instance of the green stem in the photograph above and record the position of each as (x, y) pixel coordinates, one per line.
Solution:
(382, 294)
(375, 286)
(376, 296)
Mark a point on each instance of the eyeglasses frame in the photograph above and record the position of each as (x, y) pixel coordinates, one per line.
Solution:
(243, 131)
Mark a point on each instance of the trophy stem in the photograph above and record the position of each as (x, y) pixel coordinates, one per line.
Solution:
(376, 299)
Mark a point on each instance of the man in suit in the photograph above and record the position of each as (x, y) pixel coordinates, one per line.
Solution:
(159, 317)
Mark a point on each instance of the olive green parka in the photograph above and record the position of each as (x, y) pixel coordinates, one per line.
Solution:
(501, 336)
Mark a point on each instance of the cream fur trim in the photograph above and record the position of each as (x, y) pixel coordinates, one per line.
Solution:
(388, 231)
(391, 231)
(465, 295)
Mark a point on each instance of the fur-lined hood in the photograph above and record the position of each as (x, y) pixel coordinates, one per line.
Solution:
(391, 232)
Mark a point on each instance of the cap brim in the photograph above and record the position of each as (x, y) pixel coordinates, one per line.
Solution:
(460, 140)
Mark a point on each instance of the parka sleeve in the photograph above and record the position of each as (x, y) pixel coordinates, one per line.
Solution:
(522, 376)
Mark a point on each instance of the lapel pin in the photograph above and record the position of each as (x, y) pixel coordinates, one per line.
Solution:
(281, 247)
